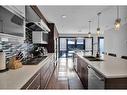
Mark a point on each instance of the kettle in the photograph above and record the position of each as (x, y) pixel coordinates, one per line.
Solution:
(2, 60)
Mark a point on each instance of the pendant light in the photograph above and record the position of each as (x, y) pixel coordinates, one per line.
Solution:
(98, 28)
(89, 33)
(118, 20)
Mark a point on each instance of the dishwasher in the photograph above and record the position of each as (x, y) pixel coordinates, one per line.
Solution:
(95, 80)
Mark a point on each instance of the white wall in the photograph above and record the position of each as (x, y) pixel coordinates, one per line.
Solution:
(116, 41)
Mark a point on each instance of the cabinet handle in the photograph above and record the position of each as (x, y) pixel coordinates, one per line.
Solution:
(96, 75)
(88, 67)
(101, 79)
(38, 87)
(33, 80)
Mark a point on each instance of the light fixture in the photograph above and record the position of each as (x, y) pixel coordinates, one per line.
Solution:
(118, 20)
(64, 16)
(89, 33)
(98, 28)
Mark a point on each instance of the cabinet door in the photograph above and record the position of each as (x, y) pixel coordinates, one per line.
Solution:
(45, 79)
(44, 74)
(37, 37)
(34, 82)
(17, 10)
(20, 10)
(82, 71)
(78, 67)
(84, 74)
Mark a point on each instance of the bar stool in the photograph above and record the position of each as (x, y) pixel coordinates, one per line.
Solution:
(112, 54)
(124, 57)
(104, 53)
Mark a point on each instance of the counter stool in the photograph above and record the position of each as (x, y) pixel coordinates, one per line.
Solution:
(124, 57)
(111, 54)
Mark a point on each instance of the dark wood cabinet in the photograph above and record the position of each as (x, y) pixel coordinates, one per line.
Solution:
(115, 83)
(41, 78)
(52, 36)
(82, 72)
(95, 80)
(46, 73)
(34, 82)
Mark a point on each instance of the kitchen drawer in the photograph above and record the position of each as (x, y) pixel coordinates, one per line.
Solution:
(45, 78)
(34, 82)
(45, 68)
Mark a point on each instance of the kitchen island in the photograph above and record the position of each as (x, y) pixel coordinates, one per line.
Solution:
(29, 76)
(112, 71)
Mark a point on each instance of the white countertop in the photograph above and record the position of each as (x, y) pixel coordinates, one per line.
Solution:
(15, 79)
(111, 67)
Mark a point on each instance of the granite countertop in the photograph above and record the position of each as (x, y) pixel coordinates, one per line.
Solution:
(15, 79)
(111, 67)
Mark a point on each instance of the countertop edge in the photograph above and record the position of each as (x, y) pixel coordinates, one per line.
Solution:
(120, 76)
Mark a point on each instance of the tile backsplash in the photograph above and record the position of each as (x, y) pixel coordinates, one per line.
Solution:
(10, 44)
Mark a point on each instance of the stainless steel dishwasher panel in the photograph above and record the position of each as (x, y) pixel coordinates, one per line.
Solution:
(95, 80)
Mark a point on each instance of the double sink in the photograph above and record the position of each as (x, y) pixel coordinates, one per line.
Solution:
(92, 58)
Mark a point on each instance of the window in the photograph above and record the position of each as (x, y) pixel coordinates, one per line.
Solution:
(101, 44)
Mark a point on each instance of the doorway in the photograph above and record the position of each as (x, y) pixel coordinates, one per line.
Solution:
(68, 45)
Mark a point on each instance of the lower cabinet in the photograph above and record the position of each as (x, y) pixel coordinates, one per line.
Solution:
(34, 82)
(46, 73)
(82, 72)
(92, 79)
(41, 78)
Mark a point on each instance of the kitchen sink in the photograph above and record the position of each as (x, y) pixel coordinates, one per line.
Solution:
(33, 61)
(92, 58)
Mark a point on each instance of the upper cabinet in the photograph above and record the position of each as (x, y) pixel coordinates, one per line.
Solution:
(11, 22)
(17, 10)
(39, 37)
(37, 25)
(52, 38)
(30, 14)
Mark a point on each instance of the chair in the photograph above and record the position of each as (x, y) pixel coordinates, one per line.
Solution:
(104, 53)
(111, 54)
(124, 57)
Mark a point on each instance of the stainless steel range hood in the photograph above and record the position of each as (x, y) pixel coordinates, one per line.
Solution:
(37, 26)
(34, 26)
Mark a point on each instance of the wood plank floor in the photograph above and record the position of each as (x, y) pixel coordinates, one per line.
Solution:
(64, 76)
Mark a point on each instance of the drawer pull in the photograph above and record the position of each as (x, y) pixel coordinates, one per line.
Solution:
(33, 81)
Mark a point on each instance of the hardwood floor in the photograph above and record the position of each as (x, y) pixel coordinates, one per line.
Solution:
(64, 76)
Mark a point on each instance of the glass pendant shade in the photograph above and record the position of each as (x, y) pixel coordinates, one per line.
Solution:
(98, 31)
(118, 20)
(89, 34)
(117, 24)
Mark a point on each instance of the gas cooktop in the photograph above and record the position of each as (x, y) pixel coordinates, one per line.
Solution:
(33, 61)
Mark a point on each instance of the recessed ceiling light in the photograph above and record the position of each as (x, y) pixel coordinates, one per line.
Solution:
(64, 16)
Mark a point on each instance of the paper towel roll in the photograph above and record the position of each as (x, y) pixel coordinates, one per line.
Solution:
(2, 61)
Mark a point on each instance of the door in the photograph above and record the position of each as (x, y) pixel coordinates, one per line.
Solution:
(71, 46)
(89, 46)
(80, 43)
(62, 47)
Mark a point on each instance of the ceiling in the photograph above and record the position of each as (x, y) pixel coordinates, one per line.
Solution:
(77, 17)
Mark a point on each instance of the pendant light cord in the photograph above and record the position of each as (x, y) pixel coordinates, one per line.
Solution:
(89, 26)
(98, 18)
(117, 11)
